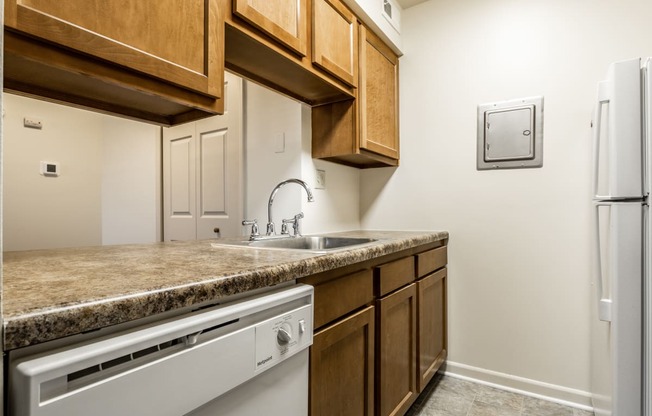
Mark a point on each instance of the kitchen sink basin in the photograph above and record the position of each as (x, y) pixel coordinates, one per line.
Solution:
(308, 243)
(311, 242)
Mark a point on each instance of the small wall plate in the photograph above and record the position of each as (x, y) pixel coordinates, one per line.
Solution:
(510, 134)
(49, 169)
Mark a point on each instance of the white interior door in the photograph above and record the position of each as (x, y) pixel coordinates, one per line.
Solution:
(203, 173)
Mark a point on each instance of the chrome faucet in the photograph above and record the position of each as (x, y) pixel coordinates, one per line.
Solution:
(270, 224)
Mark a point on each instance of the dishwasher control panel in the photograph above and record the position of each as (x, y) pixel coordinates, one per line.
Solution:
(282, 336)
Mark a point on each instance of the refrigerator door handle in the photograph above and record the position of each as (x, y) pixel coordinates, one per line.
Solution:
(604, 304)
(604, 97)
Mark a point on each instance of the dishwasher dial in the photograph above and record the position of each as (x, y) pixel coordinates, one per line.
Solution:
(284, 334)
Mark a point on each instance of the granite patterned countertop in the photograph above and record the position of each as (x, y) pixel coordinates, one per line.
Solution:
(50, 294)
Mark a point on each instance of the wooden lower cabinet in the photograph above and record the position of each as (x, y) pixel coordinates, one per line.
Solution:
(396, 384)
(380, 333)
(342, 367)
(431, 323)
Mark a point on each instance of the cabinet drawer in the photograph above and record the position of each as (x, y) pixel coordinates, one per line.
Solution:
(429, 261)
(391, 276)
(340, 296)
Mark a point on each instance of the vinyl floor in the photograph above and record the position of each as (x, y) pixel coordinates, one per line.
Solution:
(449, 396)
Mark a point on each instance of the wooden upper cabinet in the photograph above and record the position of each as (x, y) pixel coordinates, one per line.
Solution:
(283, 20)
(363, 132)
(378, 96)
(162, 38)
(335, 40)
(157, 60)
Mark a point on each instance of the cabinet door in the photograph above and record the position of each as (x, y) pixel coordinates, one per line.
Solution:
(342, 367)
(335, 40)
(180, 42)
(283, 20)
(431, 333)
(396, 387)
(378, 96)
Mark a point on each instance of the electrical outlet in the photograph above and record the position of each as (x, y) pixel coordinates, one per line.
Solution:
(320, 179)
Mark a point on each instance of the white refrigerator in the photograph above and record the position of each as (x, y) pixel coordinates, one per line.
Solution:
(621, 316)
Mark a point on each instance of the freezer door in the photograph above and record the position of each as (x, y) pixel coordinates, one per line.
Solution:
(618, 134)
(617, 309)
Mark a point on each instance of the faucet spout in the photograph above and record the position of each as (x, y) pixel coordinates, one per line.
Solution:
(270, 224)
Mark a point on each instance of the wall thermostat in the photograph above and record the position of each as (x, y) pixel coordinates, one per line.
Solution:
(49, 169)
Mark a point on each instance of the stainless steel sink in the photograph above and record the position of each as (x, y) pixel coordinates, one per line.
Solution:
(312, 242)
(309, 243)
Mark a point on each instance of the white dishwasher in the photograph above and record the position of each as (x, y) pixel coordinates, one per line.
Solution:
(246, 358)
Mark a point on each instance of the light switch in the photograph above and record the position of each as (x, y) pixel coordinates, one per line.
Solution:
(279, 143)
(510, 134)
(49, 169)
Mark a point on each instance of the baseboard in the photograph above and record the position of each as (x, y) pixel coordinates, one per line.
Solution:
(563, 395)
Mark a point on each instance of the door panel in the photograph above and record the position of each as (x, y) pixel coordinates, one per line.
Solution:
(431, 319)
(396, 382)
(342, 359)
(335, 40)
(203, 173)
(182, 47)
(178, 183)
(617, 144)
(283, 20)
(182, 163)
(378, 94)
(617, 281)
(212, 176)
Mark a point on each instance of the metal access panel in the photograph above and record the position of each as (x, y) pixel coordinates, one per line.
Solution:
(510, 134)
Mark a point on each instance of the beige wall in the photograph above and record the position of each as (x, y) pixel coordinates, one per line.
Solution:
(108, 191)
(519, 246)
(48, 212)
(109, 188)
(268, 114)
(131, 182)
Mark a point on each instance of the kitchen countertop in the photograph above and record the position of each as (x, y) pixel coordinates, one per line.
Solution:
(50, 294)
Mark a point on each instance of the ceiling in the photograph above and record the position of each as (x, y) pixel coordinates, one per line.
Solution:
(409, 3)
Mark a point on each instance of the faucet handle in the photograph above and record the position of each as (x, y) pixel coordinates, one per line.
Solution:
(296, 225)
(284, 226)
(254, 228)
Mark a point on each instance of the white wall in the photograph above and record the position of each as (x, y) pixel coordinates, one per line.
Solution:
(519, 246)
(131, 182)
(108, 191)
(337, 207)
(371, 13)
(268, 114)
(49, 212)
